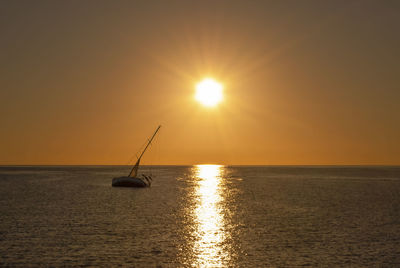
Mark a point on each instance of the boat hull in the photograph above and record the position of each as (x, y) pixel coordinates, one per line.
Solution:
(129, 182)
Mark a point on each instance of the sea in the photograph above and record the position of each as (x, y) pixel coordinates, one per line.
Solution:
(201, 216)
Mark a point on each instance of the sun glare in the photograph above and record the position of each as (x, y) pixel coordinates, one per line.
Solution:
(209, 92)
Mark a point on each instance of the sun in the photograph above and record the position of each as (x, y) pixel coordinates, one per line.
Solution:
(209, 92)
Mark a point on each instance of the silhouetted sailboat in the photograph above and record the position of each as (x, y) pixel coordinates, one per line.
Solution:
(133, 180)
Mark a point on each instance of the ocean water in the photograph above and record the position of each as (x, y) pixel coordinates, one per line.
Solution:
(201, 216)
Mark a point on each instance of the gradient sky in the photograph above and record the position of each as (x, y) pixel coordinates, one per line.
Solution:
(305, 82)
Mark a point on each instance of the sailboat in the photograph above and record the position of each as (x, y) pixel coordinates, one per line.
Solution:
(133, 180)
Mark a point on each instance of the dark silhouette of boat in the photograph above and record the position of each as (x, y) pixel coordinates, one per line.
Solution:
(133, 180)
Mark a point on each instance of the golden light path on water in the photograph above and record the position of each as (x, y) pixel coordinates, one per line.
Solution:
(210, 234)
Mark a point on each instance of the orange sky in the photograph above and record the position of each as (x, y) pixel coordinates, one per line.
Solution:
(305, 82)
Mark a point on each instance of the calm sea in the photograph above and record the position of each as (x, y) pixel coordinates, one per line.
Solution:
(212, 216)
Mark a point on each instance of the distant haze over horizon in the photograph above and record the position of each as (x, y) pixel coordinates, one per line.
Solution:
(304, 82)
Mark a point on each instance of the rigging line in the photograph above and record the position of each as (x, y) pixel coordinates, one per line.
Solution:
(130, 161)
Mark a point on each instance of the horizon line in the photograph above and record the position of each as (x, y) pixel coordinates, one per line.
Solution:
(186, 165)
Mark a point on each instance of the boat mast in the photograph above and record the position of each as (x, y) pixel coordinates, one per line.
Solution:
(152, 137)
(135, 168)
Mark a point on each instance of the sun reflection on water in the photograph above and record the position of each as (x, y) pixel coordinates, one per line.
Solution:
(210, 234)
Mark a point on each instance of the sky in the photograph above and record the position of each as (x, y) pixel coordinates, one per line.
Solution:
(305, 82)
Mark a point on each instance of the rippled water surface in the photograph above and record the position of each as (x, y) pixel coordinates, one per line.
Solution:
(201, 216)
